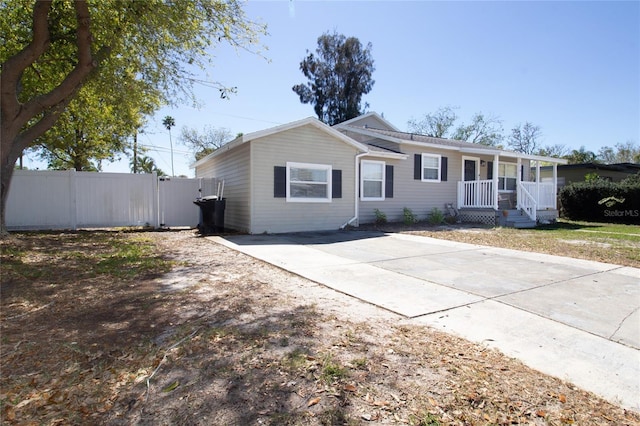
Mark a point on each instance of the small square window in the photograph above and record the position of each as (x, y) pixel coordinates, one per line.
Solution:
(431, 164)
(507, 177)
(372, 176)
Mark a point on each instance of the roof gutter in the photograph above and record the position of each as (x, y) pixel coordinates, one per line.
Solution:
(355, 198)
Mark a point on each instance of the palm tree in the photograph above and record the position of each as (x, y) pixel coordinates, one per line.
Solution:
(147, 165)
(169, 122)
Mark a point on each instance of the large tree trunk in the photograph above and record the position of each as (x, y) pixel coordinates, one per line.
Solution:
(8, 158)
(15, 134)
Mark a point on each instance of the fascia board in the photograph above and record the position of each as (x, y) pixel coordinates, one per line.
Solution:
(533, 157)
(391, 155)
(224, 148)
(481, 151)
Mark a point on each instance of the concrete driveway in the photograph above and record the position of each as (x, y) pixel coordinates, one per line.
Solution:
(574, 319)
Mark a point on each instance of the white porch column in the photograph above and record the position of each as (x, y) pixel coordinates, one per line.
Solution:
(537, 183)
(555, 186)
(496, 158)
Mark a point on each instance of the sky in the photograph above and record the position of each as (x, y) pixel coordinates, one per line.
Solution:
(572, 68)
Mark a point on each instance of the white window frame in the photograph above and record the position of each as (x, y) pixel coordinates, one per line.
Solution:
(439, 157)
(382, 181)
(503, 187)
(328, 183)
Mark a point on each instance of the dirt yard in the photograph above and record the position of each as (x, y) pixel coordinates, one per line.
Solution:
(165, 328)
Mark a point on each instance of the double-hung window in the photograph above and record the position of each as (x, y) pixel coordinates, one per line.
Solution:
(372, 180)
(308, 183)
(507, 176)
(431, 167)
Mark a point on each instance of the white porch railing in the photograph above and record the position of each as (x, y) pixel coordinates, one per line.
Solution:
(532, 196)
(543, 193)
(526, 201)
(475, 193)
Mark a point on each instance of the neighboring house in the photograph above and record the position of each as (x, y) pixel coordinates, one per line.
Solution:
(570, 173)
(307, 176)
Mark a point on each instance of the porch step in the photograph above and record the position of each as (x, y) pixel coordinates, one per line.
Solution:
(516, 219)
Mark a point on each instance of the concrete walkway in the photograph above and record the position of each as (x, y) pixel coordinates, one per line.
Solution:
(573, 319)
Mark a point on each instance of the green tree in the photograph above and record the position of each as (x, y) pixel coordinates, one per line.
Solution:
(203, 144)
(97, 126)
(436, 125)
(557, 150)
(628, 152)
(146, 164)
(484, 130)
(525, 138)
(339, 73)
(580, 156)
(50, 49)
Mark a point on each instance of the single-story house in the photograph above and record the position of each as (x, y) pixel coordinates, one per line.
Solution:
(308, 176)
(571, 173)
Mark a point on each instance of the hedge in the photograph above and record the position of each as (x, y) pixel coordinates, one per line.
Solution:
(602, 201)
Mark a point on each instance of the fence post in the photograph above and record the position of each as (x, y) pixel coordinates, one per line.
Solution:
(156, 194)
(73, 198)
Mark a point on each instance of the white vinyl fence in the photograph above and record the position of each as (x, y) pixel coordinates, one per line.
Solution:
(42, 200)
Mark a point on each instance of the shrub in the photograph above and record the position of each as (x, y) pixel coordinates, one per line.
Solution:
(451, 220)
(436, 216)
(632, 180)
(601, 201)
(408, 217)
(381, 218)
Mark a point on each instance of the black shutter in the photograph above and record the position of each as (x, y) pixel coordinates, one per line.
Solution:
(388, 183)
(443, 169)
(279, 182)
(489, 170)
(336, 183)
(522, 174)
(417, 166)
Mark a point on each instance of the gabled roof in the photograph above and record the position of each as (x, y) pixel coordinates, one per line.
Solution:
(441, 143)
(309, 121)
(382, 123)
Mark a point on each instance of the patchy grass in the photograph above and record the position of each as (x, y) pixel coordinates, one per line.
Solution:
(609, 243)
(167, 328)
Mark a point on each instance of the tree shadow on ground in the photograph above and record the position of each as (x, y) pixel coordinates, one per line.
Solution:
(92, 340)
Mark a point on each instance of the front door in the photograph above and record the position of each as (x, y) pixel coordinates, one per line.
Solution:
(470, 171)
(470, 167)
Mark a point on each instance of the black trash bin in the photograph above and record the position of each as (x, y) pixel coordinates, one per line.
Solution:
(218, 215)
(211, 214)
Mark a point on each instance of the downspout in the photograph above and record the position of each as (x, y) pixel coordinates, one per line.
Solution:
(355, 198)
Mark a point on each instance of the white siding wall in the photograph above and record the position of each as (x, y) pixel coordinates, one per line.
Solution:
(420, 196)
(234, 168)
(416, 195)
(306, 145)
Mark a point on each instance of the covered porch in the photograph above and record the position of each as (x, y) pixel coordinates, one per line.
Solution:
(509, 187)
